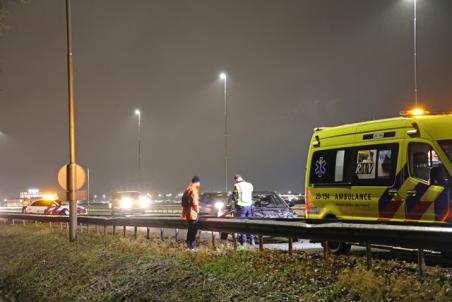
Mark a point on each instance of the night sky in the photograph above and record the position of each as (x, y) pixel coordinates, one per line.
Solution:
(292, 66)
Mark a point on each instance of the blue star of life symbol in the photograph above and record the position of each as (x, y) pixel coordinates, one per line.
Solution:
(320, 167)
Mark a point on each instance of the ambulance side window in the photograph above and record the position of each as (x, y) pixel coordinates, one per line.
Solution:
(339, 166)
(329, 167)
(422, 158)
(375, 165)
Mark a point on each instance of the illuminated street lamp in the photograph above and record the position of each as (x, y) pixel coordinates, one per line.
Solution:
(223, 77)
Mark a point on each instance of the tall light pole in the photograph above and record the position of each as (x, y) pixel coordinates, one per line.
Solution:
(415, 50)
(223, 77)
(138, 113)
(88, 180)
(71, 167)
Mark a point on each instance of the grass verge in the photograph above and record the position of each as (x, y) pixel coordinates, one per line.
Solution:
(41, 265)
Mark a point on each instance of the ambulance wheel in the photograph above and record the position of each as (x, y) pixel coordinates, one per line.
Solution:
(338, 248)
(224, 236)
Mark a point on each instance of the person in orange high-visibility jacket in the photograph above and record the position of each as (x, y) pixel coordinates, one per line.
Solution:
(190, 210)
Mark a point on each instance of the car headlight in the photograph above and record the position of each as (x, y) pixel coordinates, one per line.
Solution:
(219, 205)
(125, 203)
(144, 202)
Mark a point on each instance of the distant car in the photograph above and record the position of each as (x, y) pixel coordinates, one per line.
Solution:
(266, 204)
(130, 202)
(213, 203)
(51, 207)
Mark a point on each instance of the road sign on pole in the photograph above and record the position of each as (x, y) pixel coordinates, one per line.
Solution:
(80, 177)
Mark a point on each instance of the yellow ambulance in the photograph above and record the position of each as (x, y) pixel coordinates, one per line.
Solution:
(394, 169)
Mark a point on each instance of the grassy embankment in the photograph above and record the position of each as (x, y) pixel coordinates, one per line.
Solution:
(39, 265)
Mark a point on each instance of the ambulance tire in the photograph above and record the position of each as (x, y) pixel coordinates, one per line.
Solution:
(336, 247)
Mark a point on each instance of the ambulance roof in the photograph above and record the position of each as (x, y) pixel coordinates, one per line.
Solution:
(436, 125)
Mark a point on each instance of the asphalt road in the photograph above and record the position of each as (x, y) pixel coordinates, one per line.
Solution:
(169, 209)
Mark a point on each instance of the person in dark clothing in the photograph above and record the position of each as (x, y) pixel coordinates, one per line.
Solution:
(190, 210)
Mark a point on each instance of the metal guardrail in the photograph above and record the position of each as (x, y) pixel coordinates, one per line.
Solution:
(414, 236)
(409, 236)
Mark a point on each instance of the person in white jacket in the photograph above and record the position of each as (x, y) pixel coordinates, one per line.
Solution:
(242, 195)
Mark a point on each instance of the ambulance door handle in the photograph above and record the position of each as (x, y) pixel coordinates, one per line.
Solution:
(393, 192)
(411, 193)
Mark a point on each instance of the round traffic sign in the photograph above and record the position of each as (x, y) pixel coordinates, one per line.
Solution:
(80, 177)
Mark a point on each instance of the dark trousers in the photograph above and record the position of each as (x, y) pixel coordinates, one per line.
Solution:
(244, 212)
(191, 233)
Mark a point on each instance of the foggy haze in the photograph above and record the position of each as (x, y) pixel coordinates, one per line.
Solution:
(291, 65)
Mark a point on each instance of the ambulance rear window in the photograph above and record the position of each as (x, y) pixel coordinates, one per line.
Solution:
(329, 167)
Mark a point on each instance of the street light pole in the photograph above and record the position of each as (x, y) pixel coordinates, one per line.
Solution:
(71, 167)
(138, 113)
(88, 189)
(415, 49)
(223, 77)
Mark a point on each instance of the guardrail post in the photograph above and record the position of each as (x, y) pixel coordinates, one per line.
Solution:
(234, 240)
(325, 249)
(290, 246)
(148, 233)
(261, 243)
(87, 227)
(105, 229)
(369, 256)
(23, 222)
(135, 232)
(114, 229)
(161, 234)
(61, 226)
(50, 225)
(12, 221)
(80, 227)
(124, 230)
(213, 241)
(176, 234)
(421, 262)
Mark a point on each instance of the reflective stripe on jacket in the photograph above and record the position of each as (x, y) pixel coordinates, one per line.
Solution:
(243, 194)
(191, 212)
